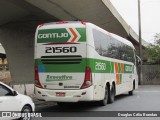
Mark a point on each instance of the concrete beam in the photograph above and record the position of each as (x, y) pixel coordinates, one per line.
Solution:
(94, 11)
(99, 12)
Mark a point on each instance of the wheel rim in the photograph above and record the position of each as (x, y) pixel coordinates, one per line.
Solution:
(26, 110)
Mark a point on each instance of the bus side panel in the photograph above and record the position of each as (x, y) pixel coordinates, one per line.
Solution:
(97, 78)
(91, 56)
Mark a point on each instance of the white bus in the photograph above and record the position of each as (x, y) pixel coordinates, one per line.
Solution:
(79, 61)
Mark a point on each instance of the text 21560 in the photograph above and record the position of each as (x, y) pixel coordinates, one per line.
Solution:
(61, 49)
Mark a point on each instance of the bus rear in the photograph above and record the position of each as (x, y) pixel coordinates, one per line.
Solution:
(61, 71)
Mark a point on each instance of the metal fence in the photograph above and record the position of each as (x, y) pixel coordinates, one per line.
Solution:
(151, 74)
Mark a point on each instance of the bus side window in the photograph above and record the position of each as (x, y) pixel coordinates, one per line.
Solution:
(97, 41)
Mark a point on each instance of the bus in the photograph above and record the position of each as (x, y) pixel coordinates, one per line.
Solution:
(79, 61)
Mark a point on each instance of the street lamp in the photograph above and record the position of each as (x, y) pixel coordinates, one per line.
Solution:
(140, 42)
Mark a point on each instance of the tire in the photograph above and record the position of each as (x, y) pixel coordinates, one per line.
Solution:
(26, 109)
(132, 91)
(105, 100)
(111, 95)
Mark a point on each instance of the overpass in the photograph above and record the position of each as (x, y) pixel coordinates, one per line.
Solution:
(19, 19)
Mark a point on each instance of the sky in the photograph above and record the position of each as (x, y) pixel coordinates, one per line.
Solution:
(150, 16)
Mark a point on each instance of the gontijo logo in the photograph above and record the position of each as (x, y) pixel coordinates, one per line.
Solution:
(52, 35)
(62, 35)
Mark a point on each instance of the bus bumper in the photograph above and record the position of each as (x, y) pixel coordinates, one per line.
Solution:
(68, 96)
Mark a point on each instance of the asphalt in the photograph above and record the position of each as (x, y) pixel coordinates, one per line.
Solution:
(146, 97)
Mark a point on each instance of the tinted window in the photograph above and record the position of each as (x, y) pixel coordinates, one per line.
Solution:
(97, 39)
(110, 47)
(4, 91)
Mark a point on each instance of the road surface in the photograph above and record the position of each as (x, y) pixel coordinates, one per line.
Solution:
(145, 98)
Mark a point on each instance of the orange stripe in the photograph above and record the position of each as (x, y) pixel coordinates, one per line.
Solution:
(117, 78)
(116, 66)
(74, 34)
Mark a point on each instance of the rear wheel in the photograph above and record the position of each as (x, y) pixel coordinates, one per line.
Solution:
(105, 100)
(111, 94)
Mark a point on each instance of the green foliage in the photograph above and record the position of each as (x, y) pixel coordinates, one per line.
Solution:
(153, 51)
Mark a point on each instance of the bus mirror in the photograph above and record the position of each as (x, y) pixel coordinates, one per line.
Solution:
(138, 60)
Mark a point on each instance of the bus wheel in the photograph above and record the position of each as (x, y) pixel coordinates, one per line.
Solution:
(132, 91)
(111, 94)
(105, 100)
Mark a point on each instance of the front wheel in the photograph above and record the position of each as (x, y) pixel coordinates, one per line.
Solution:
(105, 100)
(132, 91)
(26, 109)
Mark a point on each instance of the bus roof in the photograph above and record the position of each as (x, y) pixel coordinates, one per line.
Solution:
(61, 23)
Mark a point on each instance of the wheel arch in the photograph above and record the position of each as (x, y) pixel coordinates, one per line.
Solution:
(28, 106)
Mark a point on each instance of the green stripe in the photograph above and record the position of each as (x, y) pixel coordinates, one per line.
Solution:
(82, 32)
(120, 78)
(63, 67)
(112, 67)
(128, 68)
(92, 64)
(80, 67)
(119, 67)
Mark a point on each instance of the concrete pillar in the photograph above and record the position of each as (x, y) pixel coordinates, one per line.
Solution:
(17, 39)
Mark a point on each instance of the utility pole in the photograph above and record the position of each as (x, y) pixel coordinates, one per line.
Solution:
(140, 43)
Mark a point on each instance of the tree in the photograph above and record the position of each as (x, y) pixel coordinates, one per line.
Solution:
(153, 50)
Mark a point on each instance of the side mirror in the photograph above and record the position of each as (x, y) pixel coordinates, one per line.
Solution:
(15, 93)
(138, 60)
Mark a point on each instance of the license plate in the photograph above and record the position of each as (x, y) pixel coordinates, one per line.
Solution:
(60, 94)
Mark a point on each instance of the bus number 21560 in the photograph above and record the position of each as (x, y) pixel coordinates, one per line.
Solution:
(61, 49)
(100, 66)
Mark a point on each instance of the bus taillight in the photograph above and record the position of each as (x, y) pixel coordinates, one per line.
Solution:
(88, 78)
(37, 82)
(84, 23)
(41, 25)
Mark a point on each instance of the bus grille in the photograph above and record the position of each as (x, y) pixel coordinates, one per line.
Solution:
(65, 59)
